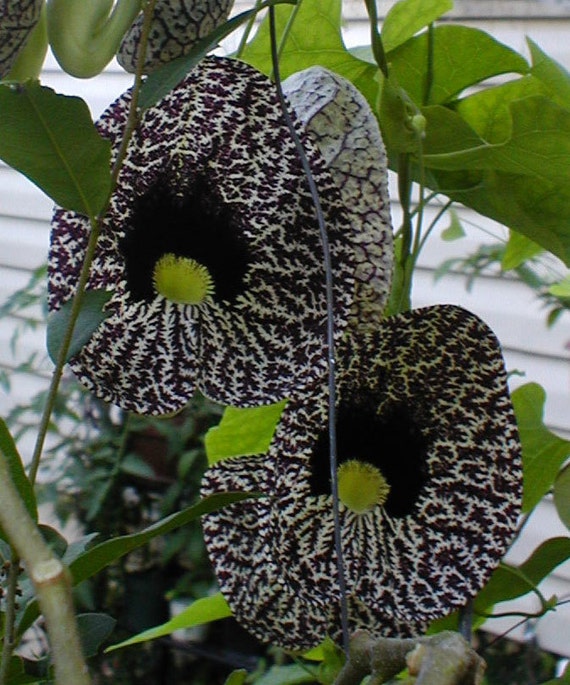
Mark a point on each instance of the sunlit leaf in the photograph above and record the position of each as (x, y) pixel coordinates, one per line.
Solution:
(405, 18)
(552, 74)
(454, 67)
(488, 111)
(562, 495)
(52, 140)
(543, 451)
(561, 289)
(243, 431)
(204, 610)
(322, 45)
(532, 164)
(16, 468)
(518, 250)
(91, 315)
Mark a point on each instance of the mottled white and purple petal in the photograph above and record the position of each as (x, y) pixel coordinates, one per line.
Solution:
(175, 29)
(343, 126)
(425, 399)
(216, 147)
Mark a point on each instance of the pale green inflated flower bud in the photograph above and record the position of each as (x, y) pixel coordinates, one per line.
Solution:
(18, 18)
(85, 35)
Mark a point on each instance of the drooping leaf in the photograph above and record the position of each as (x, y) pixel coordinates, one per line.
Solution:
(488, 110)
(16, 674)
(204, 610)
(455, 230)
(243, 432)
(518, 250)
(539, 145)
(543, 451)
(161, 81)
(509, 582)
(405, 18)
(91, 314)
(94, 629)
(238, 677)
(554, 76)
(562, 495)
(291, 674)
(561, 289)
(52, 140)
(322, 45)
(98, 557)
(16, 468)
(134, 465)
(532, 164)
(454, 66)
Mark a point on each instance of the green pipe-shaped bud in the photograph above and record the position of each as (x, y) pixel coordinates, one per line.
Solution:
(85, 34)
(18, 18)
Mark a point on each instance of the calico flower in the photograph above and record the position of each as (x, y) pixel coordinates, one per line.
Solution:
(211, 251)
(175, 29)
(429, 479)
(17, 20)
(341, 123)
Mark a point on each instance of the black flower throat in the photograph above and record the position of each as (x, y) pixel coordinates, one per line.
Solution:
(392, 441)
(196, 225)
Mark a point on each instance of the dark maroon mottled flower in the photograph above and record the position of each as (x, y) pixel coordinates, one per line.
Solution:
(423, 400)
(211, 186)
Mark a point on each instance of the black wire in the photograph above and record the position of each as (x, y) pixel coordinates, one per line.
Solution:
(330, 331)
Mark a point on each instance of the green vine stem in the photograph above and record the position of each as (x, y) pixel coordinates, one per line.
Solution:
(49, 576)
(131, 124)
(248, 29)
(286, 31)
(51, 581)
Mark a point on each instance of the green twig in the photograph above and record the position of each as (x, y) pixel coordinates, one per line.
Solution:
(248, 29)
(51, 582)
(376, 39)
(430, 63)
(286, 31)
(131, 123)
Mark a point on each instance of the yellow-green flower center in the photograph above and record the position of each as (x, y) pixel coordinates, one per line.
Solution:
(182, 280)
(361, 486)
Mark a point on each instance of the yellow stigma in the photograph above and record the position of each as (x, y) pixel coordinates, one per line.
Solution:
(361, 486)
(182, 280)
